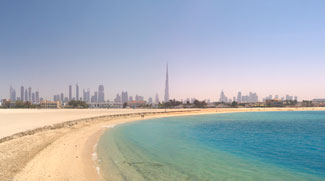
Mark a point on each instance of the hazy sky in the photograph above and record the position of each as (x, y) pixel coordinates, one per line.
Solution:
(268, 47)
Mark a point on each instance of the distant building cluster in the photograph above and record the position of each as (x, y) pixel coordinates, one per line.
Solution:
(97, 97)
(94, 100)
(250, 98)
(276, 97)
(26, 98)
(26, 95)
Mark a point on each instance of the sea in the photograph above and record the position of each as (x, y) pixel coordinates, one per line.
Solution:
(229, 146)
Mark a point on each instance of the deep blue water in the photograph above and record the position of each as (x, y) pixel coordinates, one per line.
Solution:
(234, 146)
(292, 140)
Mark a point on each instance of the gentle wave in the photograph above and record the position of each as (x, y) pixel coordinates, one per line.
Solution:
(110, 126)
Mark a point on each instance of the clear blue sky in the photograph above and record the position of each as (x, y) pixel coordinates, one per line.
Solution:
(269, 47)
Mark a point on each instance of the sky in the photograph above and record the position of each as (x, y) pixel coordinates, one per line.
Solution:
(267, 47)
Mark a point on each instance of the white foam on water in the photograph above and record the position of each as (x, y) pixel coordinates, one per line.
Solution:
(94, 156)
(98, 170)
(110, 126)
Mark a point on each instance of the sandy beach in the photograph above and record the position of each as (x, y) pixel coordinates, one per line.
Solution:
(61, 144)
(19, 120)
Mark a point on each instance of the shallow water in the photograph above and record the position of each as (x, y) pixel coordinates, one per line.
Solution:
(233, 146)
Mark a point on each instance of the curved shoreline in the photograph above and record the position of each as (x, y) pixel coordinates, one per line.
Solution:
(65, 151)
(20, 153)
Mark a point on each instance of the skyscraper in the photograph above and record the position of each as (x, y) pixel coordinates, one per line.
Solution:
(117, 98)
(70, 92)
(37, 97)
(77, 92)
(94, 98)
(33, 98)
(125, 97)
(12, 93)
(296, 98)
(22, 93)
(166, 99)
(139, 98)
(239, 98)
(150, 100)
(62, 97)
(223, 97)
(101, 94)
(86, 95)
(29, 94)
(26, 95)
(130, 98)
(157, 99)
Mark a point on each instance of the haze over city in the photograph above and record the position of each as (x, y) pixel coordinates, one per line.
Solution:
(269, 48)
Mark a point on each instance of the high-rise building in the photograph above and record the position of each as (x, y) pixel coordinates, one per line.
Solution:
(223, 98)
(125, 97)
(166, 98)
(33, 98)
(86, 95)
(26, 95)
(130, 98)
(157, 99)
(117, 98)
(94, 98)
(56, 97)
(12, 94)
(101, 94)
(270, 97)
(289, 98)
(29, 94)
(62, 97)
(139, 98)
(150, 100)
(37, 97)
(252, 97)
(77, 92)
(239, 98)
(22, 93)
(296, 98)
(70, 92)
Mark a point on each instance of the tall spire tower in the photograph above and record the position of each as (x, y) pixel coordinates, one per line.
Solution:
(166, 99)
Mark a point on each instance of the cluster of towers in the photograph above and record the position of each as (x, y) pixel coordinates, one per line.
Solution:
(97, 97)
(25, 95)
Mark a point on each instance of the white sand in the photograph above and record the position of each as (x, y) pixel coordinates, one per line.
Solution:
(19, 120)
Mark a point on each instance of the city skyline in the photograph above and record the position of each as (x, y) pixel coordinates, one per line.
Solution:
(209, 45)
(99, 96)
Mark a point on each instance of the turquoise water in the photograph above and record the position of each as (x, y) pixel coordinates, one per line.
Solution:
(234, 146)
